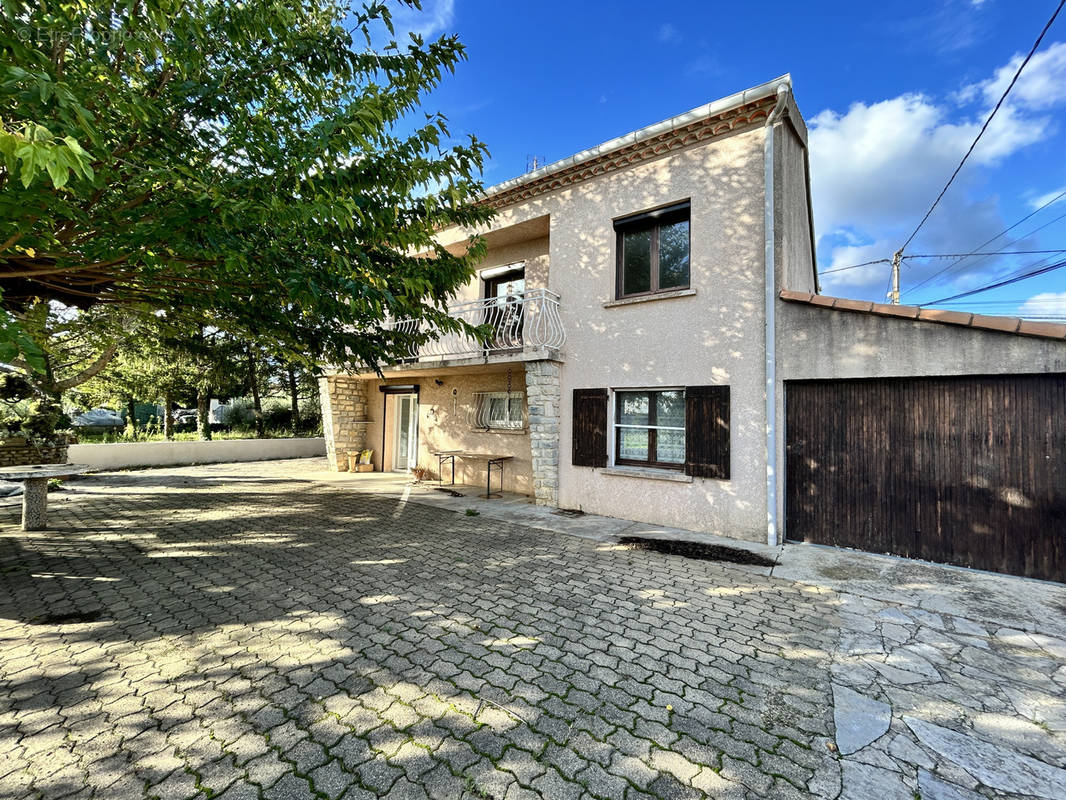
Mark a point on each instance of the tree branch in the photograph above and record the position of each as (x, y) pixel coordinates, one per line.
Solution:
(91, 371)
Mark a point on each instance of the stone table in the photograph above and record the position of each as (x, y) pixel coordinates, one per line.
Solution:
(35, 479)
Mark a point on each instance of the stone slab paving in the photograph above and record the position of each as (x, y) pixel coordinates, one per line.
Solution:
(249, 634)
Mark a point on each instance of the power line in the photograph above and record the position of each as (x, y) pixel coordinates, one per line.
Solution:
(1012, 241)
(999, 284)
(984, 127)
(992, 253)
(855, 266)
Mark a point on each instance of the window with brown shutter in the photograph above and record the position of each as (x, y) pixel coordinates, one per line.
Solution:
(590, 428)
(707, 431)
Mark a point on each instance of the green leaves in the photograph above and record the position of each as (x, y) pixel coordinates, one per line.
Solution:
(251, 164)
(33, 150)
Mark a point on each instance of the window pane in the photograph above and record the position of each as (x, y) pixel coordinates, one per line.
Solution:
(670, 446)
(636, 262)
(670, 409)
(673, 255)
(516, 409)
(633, 408)
(633, 444)
(497, 408)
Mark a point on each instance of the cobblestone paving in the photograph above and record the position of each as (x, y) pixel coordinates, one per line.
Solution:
(255, 636)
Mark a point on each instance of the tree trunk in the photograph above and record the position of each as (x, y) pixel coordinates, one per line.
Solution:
(294, 413)
(203, 412)
(257, 405)
(168, 416)
(131, 416)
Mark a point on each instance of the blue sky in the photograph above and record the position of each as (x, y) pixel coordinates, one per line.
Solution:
(893, 94)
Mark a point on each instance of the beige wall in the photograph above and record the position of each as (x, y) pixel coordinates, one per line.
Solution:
(444, 423)
(793, 248)
(713, 337)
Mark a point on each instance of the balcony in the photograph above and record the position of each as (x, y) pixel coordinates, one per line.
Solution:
(525, 325)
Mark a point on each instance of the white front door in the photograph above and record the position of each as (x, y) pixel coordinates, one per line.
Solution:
(405, 452)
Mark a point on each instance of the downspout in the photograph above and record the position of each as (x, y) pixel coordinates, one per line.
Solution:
(770, 280)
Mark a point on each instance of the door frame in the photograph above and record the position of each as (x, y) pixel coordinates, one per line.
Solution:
(412, 432)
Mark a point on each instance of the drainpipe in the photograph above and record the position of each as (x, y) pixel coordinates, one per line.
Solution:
(770, 280)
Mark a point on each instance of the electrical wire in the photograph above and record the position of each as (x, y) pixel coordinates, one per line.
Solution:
(1034, 231)
(855, 266)
(992, 253)
(984, 127)
(999, 284)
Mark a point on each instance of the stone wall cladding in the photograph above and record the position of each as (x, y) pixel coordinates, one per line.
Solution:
(543, 399)
(18, 455)
(343, 401)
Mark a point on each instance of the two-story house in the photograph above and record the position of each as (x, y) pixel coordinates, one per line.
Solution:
(659, 333)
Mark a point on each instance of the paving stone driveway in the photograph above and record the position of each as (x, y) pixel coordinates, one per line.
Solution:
(257, 636)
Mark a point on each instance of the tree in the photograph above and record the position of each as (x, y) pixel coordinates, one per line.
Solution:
(240, 165)
(144, 367)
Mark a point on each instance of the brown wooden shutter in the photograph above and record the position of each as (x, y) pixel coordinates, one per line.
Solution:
(590, 428)
(707, 431)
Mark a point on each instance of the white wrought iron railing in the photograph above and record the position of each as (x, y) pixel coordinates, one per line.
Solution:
(520, 321)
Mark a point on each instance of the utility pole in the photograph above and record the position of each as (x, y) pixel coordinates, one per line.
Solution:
(893, 296)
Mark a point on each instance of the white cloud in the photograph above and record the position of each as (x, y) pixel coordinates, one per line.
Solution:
(1054, 194)
(877, 167)
(435, 18)
(1045, 304)
(668, 34)
(1042, 84)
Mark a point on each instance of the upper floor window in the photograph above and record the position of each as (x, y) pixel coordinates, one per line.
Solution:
(653, 251)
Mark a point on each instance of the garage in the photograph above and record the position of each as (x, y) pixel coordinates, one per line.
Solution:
(962, 470)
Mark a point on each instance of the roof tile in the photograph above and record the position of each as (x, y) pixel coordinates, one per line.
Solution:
(853, 305)
(1046, 330)
(906, 312)
(1053, 330)
(1005, 324)
(943, 315)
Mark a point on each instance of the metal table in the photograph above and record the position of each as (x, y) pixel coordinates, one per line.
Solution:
(35, 489)
(492, 462)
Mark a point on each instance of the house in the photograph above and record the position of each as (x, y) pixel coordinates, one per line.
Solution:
(663, 355)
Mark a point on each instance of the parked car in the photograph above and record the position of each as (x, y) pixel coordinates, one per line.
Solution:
(101, 417)
(185, 418)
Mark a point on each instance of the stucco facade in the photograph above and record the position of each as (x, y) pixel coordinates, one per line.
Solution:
(742, 167)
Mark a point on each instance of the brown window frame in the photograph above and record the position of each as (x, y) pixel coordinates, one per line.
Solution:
(653, 221)
(653, 434)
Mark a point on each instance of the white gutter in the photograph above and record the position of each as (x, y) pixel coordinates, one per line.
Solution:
(770, 322)
(763, 90)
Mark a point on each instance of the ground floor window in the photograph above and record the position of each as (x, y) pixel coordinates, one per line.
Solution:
(499, 410)
(650, 428)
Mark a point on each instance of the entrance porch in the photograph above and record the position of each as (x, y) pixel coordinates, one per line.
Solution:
(505, 410)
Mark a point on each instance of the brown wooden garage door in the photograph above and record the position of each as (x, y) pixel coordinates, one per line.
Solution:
(965, 471)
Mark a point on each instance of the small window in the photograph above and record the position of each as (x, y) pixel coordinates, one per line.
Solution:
(500, 410)
(650, 428)
(653, 251)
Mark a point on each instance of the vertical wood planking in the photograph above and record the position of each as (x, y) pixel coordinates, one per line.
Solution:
(962, 470)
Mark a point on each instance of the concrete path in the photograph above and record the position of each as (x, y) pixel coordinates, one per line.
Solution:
(268, 631)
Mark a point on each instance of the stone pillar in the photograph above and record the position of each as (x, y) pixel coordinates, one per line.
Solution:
(343, 401)
(35, 504)
(542, 395)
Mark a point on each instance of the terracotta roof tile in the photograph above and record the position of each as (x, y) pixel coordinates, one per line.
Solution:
(1005, 324)
(853, 305)
(907, 312)
(1052, 330)
(963, 319)
(943, 315)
